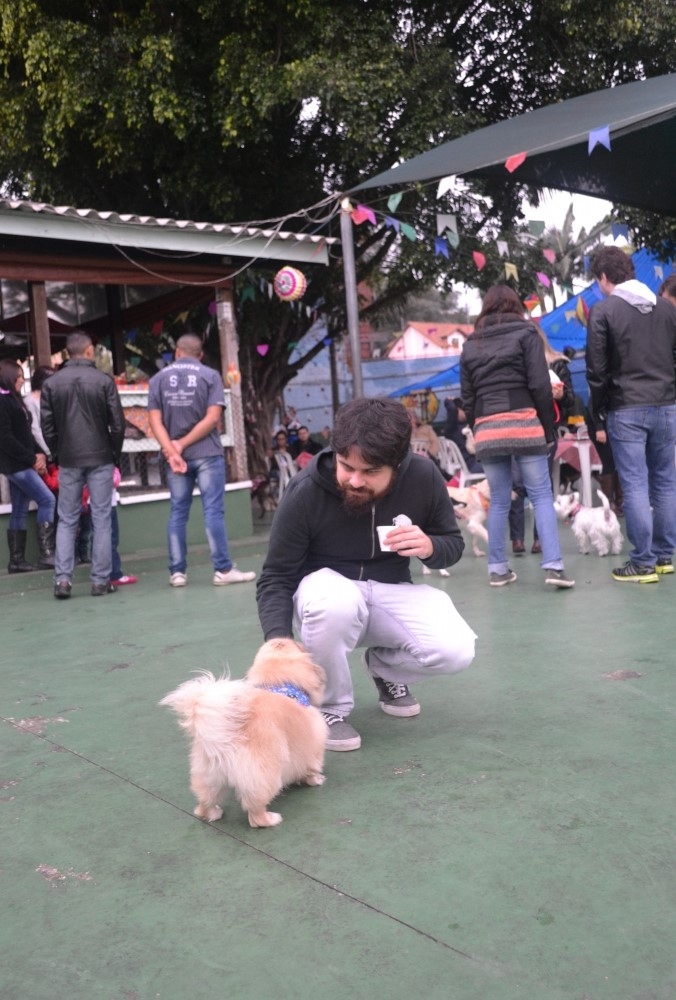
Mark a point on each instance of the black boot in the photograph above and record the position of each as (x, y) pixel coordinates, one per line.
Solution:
(46, 545)
(16, 542)
(607, 484)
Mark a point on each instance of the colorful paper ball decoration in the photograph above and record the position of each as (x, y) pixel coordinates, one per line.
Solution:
(290, 284)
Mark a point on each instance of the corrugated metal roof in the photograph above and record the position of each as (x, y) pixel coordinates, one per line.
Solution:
(37, 219)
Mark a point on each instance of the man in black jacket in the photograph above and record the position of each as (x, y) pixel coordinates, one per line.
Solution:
(83, 424)
(631, 371)
(327, 574)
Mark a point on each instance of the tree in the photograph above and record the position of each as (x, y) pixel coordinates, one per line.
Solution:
(257, 109)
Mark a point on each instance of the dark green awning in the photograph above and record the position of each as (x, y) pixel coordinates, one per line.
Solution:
(639, 170)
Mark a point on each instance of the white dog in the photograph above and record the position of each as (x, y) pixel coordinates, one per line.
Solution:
(592, 526)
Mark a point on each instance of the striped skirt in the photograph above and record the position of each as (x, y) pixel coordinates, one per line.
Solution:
(516, 432)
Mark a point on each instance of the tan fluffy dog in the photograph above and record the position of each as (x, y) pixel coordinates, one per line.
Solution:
(470, 504)
(255, 735)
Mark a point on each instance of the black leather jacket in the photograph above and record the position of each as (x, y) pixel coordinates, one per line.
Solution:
(81, 416)
(631, 355)
(503, 368)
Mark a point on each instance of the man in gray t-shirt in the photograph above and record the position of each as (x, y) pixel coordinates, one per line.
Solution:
(185, 404)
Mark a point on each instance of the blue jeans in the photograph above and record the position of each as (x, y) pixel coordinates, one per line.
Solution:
(643, 440)
(99, 480)
(25, 486)
(209, 474)
(534, 470)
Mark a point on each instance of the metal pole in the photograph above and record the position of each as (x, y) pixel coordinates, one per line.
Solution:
(351, 300)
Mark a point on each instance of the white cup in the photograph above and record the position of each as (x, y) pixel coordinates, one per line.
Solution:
(384, 529)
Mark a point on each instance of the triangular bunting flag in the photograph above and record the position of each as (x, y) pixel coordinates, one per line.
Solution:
(247, 293)
(363, 214)
(543, 279)
(569, 314)
(549, 255)
(619, 229)
(536, 227)
(532, 302)
(503, 249)
(446, 222)
(393, 201)
(392, 223)
(659, 271)
(446, 184)
(599, 137)
(440, 247)
(512, 162)
(409, 232)
(479, 259)
(511, 272)
(453, 238)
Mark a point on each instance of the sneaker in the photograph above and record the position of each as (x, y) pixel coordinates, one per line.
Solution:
(536, 547)
(518, 548)
(501, 579)
(101, 589)
(631, 573)
(558, 578)
(178, 580)
(396, 699)
(664, 566)
(233, 575)
(342, 736)
(125, 581)
(62, 589)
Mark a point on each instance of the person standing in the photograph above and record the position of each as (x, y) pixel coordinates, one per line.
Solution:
(185, 405)
(507, 395)
(83, 425)
(23, 461)
(326, 576)
(631, 359)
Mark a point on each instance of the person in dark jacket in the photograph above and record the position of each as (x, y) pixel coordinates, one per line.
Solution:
(507, 392)
(23, 462)
(83, 424)
(326, 573)
(631, 359)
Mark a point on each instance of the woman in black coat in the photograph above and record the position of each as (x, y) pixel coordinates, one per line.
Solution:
(22, 462)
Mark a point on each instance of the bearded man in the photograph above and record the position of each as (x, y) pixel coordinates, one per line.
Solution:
(326, 576)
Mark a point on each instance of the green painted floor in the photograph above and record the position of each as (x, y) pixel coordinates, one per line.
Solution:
(516, 840)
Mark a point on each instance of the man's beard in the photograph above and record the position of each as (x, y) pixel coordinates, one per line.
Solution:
(357, 503)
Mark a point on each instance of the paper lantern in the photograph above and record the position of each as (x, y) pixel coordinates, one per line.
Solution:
(290, 284)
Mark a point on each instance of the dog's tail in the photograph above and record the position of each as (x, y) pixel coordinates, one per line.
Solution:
(200, 702)
(606, 506)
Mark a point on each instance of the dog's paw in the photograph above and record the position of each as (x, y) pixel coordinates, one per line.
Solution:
(208, 813)
(264, 819)
(315, 779)
(444, 572)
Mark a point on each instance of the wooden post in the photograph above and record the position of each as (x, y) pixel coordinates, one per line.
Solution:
(227, 338)
(37, 299)
(114, 306)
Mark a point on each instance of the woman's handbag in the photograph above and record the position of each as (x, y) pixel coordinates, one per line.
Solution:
(514, 432)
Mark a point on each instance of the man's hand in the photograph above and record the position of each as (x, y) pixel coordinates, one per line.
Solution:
(40, 464)
(601, 437)
(410, 541)
(177, 463)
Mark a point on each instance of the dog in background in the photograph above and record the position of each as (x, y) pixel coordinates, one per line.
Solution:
(596, 527)
(470, 504)
(255, 735)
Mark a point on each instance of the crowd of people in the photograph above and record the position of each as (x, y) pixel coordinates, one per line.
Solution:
(357, 505)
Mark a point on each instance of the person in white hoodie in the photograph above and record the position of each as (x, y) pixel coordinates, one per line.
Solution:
(631, 372)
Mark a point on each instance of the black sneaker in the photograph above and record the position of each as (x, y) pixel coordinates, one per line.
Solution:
(631, 573)
(62, 589)
(101, 589)
(664, 566)
(502, 579)
(396, 699)
(342, 736)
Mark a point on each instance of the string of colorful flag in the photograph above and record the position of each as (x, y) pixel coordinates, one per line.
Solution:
(447, 237)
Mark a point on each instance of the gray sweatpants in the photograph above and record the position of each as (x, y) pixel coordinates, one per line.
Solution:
(412, 631)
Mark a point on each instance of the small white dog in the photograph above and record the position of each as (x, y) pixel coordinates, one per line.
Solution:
(592, 526)
(255, 735)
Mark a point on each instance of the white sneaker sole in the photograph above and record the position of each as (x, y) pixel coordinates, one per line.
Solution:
(402, 711)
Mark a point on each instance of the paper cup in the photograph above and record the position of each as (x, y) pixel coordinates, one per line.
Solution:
(384, 529)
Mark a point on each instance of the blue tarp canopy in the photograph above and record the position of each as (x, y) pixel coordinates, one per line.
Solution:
(564, 326)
